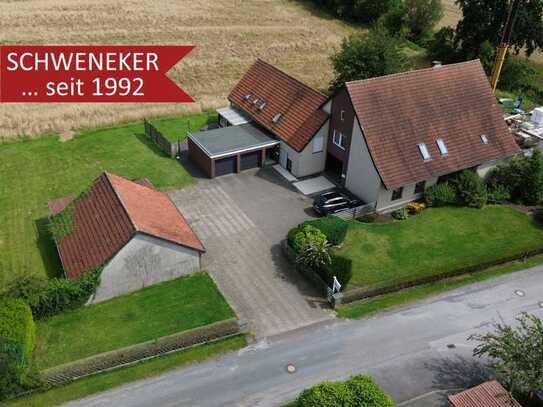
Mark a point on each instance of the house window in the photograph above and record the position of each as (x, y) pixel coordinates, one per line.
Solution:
(442, 147)
(339, 139)
(318, 143)
(342, 115)
(424, 152)
(484, 139)
(419, 187)
(277, 117)
(397, 194)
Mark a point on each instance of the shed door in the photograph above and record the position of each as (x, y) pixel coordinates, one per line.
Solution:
(225, 166)
(250, 160)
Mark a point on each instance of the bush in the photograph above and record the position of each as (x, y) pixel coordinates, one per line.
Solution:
(358, 391)
(444, 47)
(47, 298)
(440, 195)
(497, 194)
(420, 17)
(340, 267)
(306, 234)
(365, 11)
(17, 341)
(470, 189)
(400, 214)
(333, 227)
(314, 252)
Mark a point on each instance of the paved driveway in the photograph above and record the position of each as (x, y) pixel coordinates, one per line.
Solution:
(241, 220)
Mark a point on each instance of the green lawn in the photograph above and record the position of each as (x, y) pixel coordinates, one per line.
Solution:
(436, 241)
(105, 381)
(36, 171)
(177, 128)
(160, 310)
(364, 308)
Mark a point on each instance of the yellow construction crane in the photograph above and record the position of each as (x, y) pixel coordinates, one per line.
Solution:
(504, 43)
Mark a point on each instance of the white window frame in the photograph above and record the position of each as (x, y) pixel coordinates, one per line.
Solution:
(342, 115)
(339, 139)
(484, 139)
(423, 149)
(318, 143)
(442, 146)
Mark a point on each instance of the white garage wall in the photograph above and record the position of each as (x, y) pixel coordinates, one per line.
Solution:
(142, 262)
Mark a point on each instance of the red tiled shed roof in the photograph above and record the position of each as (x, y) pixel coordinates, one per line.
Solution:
(489, 394)
(454, 102)
(106, 217)
(299, 104)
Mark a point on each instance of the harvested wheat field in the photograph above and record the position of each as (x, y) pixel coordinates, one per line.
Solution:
(229, 35)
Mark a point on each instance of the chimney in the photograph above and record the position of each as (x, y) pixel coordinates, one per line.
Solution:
(436, 64)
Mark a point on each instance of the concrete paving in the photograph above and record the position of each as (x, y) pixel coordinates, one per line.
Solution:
(241, 219)
(406, 351)
(314, 185)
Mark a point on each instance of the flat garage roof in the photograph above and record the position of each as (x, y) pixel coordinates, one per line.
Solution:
(233, 139)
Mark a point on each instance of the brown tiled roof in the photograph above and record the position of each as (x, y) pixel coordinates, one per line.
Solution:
(453, 102)
(489, 394)
(106, 217)
(300, 104)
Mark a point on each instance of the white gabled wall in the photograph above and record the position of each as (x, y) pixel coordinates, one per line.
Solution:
(362, 177)
(386, 204)
(145, 260)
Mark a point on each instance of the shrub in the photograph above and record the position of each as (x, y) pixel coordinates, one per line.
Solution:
(440, 195)
(365, 392)
(306, 234)
(400, 214)
(420, 16)
(497, 194)
(333, 227)
(365, 11)
(17, 341)
(470, 189)
(444, 46)
(358, 391)
(314, 253)
(55, 296)
(340, 267)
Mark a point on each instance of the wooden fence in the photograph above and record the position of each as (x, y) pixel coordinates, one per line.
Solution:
(172, 149)
(359, 211)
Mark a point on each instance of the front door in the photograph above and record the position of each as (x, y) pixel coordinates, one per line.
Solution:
(289, 164)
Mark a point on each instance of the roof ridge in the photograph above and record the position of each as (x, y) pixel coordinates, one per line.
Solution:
(291, 77)
(412, 72)
(118, 196)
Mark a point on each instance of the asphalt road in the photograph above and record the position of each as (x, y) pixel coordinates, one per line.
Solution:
(408, 351)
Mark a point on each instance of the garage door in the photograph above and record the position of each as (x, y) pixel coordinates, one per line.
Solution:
(225, 166)
(250, 160)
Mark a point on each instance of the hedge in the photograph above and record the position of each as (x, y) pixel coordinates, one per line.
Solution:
(17, 329)
(340, 267)
(333, 227)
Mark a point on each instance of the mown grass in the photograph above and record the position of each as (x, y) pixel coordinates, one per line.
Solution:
(105, 381)
(437, 241)
(36, 171)
(364, 308)
(177, 128)
(174, 306)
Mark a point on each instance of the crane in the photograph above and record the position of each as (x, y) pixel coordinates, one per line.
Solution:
(504, 43)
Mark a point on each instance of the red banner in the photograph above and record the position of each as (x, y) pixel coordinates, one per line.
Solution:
(90, 74)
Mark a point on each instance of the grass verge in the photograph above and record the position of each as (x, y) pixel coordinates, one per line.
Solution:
(364, 308)
(105, 381)
(160, 310)
(37, 171)
(177, 128)
(437, 241)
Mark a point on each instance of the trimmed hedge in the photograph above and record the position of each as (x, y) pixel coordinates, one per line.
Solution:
(358, 391)
(333, 227)
(50, 297)
(341, 267)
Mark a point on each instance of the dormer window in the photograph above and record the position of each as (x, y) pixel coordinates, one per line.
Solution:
(277, 117)
(442, 147)
(424, 151)
(484, 139)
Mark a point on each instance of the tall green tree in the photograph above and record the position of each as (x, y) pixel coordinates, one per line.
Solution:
(420, 16)
(364, 11)
(483, 20)
(367, 55)
(516, 353)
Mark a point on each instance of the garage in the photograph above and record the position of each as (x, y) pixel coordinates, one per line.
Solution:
(231, 149)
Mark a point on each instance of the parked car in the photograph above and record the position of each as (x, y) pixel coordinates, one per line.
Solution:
(333, 202)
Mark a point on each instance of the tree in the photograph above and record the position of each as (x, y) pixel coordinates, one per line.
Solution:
(420, 16)
(483, 20)
(365, 11)
(470, 189)
(516, 353)
(367, 55)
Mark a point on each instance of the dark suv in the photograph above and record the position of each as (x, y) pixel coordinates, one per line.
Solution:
(333, 202)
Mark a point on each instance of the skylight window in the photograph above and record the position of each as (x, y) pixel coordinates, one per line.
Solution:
(262, 105)
(484, 139)
(277, 117)
(442, 147)
(424, 152)
(247, 96)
